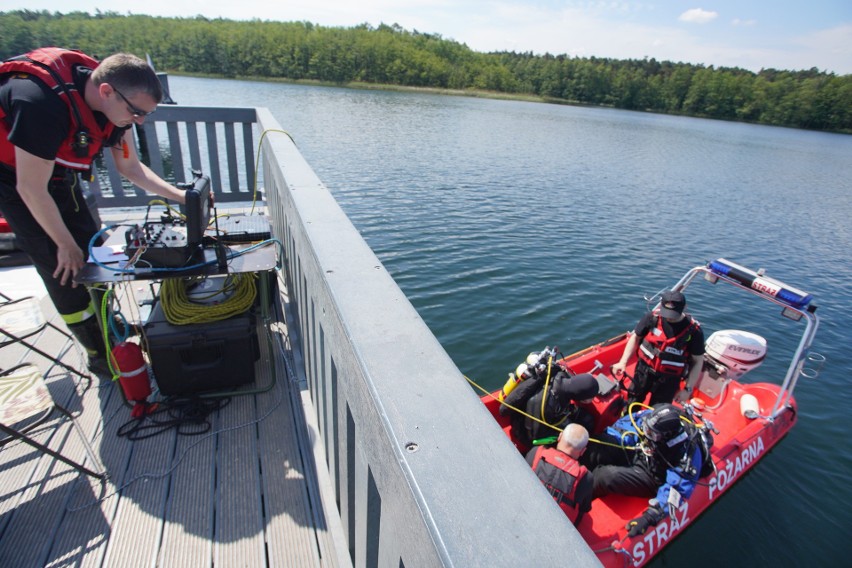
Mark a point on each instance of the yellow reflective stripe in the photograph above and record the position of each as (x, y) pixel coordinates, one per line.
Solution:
(81, 316)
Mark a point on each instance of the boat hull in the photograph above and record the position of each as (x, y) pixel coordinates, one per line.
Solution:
(739, 444)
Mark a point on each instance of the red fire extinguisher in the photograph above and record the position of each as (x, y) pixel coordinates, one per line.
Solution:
(133, 376)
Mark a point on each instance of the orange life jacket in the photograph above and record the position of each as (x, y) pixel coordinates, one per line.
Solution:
(54, 66)
(547, 464)
(667, 355)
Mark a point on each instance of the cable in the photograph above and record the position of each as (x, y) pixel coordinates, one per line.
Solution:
(519, 411)
(257, 160)
(546, 386)
(95, 261)
(180, 310)
(107, 347)
(168, 206)
(187, 415)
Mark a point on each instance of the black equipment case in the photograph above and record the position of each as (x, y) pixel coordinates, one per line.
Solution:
(197, 358)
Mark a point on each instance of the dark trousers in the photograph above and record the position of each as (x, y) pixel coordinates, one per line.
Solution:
(663, 388)
(618, 470)
(33, 240)
(631, 480)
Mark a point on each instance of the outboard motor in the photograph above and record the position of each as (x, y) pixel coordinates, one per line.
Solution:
(728, 355)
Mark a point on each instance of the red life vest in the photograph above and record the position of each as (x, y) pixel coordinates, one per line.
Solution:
(549, 464)
(667, 355)
(54, 67)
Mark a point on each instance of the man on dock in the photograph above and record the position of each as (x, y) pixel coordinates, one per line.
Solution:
(58, 110)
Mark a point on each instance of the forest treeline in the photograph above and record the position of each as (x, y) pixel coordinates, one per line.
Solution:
(390, 55)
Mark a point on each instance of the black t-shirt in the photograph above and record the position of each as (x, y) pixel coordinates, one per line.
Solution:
(695, 345)
(38, 119)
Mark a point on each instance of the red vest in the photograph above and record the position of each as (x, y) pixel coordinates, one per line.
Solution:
(53, 67)
(562, 487)
(667, 355)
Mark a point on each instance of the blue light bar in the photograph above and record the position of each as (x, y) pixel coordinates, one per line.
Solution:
(763, 284)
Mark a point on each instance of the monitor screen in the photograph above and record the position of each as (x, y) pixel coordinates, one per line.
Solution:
(197, 209)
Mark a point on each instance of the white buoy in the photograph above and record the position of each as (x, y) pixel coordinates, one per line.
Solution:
(749, 407)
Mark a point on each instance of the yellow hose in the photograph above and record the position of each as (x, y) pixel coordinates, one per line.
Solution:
(180, 310)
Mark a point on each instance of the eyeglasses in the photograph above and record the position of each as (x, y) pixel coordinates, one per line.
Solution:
(134, 110)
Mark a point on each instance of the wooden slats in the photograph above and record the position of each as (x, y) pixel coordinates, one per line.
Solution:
(188, 528)
(292, 541)
(46, 491)
(236, 496)
(215, 168)
(248, 156)
(142, 503)
(86, 529)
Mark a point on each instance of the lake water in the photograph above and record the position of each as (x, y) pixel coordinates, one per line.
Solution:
(514, 225)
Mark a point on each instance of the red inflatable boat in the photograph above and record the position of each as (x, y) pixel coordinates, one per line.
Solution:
(747, 418)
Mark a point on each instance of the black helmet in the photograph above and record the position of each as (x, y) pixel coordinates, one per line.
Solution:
(664, 427)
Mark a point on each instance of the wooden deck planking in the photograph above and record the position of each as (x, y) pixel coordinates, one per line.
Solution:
(48, 484)
(88, 522)
(142, 503)
(292, 541)
(237, 497)
(188, 528)
(239, 532)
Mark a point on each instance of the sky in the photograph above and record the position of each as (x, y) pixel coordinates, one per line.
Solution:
(751, 34)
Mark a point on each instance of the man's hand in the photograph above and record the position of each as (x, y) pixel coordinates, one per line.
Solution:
(69, 261)
(683, 395)
(33, 177)
(629, 348)
(649, 518)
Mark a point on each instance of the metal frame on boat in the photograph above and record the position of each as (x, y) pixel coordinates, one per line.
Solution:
(795, 304)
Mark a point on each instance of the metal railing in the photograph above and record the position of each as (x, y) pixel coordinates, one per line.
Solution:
(178, 139)
(419, 471)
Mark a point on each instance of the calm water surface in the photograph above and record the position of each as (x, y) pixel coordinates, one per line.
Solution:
(515, 225)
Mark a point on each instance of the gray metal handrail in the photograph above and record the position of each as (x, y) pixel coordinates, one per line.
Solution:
(177, 139)
(422, 474)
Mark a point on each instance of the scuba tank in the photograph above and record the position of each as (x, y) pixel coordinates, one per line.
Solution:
(702, 434)
(535, 362)
(522, 372)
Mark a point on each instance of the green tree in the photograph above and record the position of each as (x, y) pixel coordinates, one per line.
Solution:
(389, 54)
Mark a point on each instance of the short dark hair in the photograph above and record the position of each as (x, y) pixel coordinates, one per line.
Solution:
(129, 74)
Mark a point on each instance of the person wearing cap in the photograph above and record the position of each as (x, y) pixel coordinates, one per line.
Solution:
(653, 453)
(560, 471)
(670, 347)
(554, 407)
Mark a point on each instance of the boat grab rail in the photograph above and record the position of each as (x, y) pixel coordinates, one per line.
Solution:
(804, 310)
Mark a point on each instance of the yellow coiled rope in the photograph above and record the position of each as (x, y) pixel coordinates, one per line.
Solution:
(180, 310)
